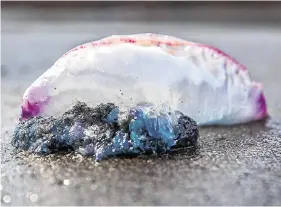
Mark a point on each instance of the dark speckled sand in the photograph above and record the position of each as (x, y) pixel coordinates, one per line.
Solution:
(238, 165)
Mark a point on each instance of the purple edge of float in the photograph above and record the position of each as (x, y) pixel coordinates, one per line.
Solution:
(30, 110)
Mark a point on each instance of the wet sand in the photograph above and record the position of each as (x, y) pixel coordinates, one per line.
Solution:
(238, 165)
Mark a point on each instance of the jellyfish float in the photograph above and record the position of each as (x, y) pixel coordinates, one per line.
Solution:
(149, 92)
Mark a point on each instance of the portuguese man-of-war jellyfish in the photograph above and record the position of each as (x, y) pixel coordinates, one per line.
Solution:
(162, 80)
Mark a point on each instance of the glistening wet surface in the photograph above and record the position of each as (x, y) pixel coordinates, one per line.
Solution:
(237, 165)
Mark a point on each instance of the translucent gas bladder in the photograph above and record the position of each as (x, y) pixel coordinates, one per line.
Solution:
(197, 80)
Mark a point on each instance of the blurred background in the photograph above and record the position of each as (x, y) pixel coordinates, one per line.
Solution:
(235, 166)
(220, 11)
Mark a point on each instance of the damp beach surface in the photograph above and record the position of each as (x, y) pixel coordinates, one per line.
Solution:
(237, 165)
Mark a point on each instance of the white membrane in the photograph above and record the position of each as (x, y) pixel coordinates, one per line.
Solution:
(194, 81)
